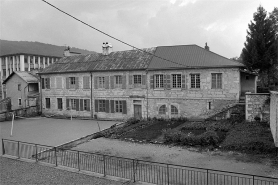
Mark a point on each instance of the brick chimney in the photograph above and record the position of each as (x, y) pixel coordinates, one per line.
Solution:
(206, 47)
(107, 48)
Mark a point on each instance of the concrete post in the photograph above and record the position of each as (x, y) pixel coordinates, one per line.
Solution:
(29, 64)
(21, 59)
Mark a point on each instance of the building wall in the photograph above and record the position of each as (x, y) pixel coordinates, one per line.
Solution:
(190, 102)
(274, 116)
(14, 93)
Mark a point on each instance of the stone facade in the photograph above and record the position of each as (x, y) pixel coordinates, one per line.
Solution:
(257, 105)
(141, 98)
(274, 116)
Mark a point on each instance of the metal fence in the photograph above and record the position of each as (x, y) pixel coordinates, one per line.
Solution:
(132, 169)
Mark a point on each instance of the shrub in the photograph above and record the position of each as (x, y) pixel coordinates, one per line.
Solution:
(194, 126)
(209, 138)
(132, 121)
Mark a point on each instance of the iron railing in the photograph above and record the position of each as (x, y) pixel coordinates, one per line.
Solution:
(132, 169)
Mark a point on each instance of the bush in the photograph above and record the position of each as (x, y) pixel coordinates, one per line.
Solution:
(209, 138)
(132, 121)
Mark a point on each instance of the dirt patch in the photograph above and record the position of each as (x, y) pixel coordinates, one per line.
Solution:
(177, 155)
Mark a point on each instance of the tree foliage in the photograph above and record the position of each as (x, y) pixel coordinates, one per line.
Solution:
(261, 47)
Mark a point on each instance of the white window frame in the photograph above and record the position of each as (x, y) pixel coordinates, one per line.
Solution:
(101, 82)
(195, 81)
(118, 81)
(176, 81)
(118, 106)
(217, 85)
(158, 81)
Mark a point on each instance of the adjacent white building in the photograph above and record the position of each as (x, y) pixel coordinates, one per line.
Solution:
(22, 62)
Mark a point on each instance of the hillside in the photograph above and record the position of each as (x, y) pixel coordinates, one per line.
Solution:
(37, 48)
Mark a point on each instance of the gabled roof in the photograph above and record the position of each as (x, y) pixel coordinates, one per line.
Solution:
(24, 75)
(183, 56)
(189, 56)
(120, 60)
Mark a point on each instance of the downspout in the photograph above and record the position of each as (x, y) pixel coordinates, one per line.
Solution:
(91, 95)
(41, 92)
(147, 94)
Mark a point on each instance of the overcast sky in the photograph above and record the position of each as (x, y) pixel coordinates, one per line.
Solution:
(142, 23)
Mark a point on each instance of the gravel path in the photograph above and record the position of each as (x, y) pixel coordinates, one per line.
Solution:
(18, 172)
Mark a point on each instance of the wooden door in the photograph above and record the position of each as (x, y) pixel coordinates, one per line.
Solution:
(137, 111)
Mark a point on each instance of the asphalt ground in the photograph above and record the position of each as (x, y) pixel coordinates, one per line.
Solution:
(49, 131)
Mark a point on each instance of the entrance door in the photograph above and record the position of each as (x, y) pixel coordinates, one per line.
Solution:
(137, 111)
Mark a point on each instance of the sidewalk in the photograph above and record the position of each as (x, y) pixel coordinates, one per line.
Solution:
(19, 172)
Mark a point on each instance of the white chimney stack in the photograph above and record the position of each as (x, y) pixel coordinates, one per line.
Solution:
(107, 48)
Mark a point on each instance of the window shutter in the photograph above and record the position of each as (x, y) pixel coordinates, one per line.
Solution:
(130, 81)
(88, 104)
(43, 87)
(168, 81)
(112, 106)
(183, 81)
(95, 81)
(124, 107)
(86, 82)
(107, 106)
(76, 83)
(67, 82)
(112, 82)
(48, 83)
(67, 103)
(165, 81)
(96, 105)
(52, 82)
(77, 104)
(144, 79)
(106, 82)
(81, 105)
(124, 82)
(152, 82)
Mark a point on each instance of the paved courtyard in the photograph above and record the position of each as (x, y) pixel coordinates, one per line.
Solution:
(49, 131)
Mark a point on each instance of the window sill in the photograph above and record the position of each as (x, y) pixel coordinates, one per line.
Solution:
(159, 89)
(176, 89)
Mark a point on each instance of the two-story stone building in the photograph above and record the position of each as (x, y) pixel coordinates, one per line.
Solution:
(165, 81)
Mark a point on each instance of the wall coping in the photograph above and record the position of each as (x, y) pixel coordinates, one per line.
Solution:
(274, 92)
(248, 93)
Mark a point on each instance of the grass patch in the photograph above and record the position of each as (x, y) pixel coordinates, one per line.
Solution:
(253, 137)
(151, 131)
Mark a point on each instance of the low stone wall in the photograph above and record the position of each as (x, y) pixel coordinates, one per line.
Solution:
(274, 116)
(25, 112)
(257, 106)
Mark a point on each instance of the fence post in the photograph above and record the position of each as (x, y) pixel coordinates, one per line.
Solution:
(18, 150)
(104, 170)
(207, 177)
(133, 167)
(55, 153)
(168, 178)
(78, 160)
(36, 152)
(3, 148)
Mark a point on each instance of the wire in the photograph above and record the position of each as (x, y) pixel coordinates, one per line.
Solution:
(112, 36)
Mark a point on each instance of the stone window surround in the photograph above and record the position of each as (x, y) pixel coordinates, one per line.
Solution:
(19, 102)
(160, 106)
(216, 72)
(47, 103)
(154, 81)
(176, 73)
(190, 84)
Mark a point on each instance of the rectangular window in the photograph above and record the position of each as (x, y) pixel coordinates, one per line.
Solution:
(60, 103)
(73, 104)
(86, 82)
(47, 103)
(101, 81)
(119, 106)
(137, 79)
(216, 80)
(45, 83)
(19, 87)
(72, 82)
(101, 104)
(118, 81)
(176, 80)
(19, 101)
(195, 80)
(159, 81)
